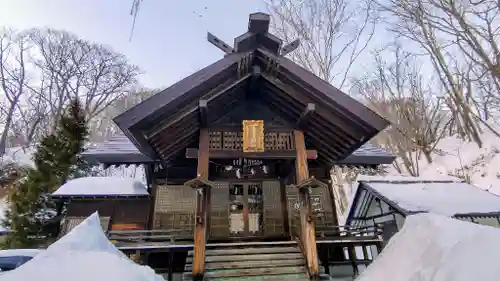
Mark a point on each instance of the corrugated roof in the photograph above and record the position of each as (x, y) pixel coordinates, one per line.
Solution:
(439, 196)
(119, 149)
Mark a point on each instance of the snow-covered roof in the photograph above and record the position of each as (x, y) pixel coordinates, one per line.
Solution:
(119, 149)
(446, 196)
(83, 254)
(101, 186)
(436, 248)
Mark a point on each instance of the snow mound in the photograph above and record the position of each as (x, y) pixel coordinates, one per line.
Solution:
(437, 248)
(81, 255)
(107, 186)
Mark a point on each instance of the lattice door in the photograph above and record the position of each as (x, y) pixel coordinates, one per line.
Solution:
(175, 208)
(273, 210)
(292, 198)
(219, 216)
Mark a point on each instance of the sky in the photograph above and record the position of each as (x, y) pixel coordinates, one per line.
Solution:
(169, 40)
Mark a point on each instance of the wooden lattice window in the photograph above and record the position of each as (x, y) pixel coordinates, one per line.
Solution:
(215, 140)
(175, 207)
(281, 141)
(71, 222)
(232, 141)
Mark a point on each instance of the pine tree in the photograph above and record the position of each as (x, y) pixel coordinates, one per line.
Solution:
(56, 160)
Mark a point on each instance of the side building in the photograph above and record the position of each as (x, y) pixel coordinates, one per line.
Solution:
(385, 202)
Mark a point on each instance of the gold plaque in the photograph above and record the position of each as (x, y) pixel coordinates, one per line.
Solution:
(253, 135)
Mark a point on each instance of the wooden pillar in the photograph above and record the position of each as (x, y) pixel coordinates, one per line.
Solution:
(201, 208)
(307, 224)
(353, 259)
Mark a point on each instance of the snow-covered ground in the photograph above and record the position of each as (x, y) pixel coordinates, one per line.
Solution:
(437, 248)
(83, 254)
(454, 156)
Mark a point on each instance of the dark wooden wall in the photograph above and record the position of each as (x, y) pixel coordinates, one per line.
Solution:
(121, 211)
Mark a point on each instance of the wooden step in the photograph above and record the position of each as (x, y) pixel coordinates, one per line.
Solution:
(260, 257)
(249, 251)
(254, 271)
(251, 244)
(250, 264)
(282, 277)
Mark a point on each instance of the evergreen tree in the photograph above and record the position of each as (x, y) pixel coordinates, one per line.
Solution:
(56, 160)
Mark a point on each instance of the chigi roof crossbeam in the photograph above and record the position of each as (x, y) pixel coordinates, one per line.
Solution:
(257, 36)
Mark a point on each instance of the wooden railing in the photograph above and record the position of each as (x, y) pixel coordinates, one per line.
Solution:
(343, 230)
(148, 238)
(332, 241)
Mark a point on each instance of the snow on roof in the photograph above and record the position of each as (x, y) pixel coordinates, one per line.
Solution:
(446, 195)
(436, 248)
(101, 186)
(81, 255)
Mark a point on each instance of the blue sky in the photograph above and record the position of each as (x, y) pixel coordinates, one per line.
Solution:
(169, 40)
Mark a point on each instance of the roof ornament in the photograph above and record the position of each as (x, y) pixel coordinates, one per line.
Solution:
(257, 36)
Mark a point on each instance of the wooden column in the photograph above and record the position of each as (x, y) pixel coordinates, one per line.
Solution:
(201, 208)
(307, 224)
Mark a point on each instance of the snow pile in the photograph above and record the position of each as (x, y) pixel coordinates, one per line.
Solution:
(436, 248)
(442, 196)
(108, 186)
(81, 255)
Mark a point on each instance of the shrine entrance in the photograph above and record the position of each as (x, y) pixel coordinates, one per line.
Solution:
(246, 207)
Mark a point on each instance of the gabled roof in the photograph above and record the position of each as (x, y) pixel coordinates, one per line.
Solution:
(120, 150)
(444, 196)
(165, 124)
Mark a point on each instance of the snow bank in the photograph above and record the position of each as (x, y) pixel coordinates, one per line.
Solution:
(108, 186)
(83, 254)
(436, 248)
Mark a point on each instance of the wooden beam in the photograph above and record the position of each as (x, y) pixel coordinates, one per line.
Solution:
(212, 95)
(192, 153)
(307, 223)
(200, 229)
(221, 45)
(306, 116)
(203, 113)
(292, 46)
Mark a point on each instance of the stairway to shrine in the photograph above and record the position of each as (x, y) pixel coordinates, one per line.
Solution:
(258, 261)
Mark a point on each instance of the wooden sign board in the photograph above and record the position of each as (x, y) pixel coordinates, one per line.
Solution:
(253, 135)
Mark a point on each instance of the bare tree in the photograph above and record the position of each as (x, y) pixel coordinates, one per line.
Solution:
(460, 38)
(103, 126)
(71, 67)
(61, 66)
(13, 50)
(333, 33)
(399, 92)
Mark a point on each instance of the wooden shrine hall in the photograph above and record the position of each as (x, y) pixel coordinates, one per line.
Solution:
(238, 158)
